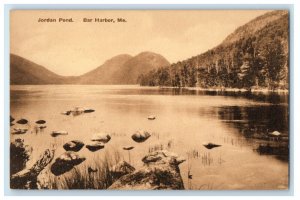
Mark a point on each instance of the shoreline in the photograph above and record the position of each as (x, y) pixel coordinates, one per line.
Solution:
(259, 90)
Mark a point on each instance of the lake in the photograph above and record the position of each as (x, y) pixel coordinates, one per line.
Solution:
(185, 119)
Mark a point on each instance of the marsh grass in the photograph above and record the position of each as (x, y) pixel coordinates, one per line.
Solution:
(160, 146)
(81, 178)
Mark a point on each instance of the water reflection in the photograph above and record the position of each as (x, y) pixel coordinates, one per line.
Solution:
(258, 123)
(185, 119)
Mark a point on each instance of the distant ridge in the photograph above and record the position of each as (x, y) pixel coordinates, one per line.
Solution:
(121, 69)
(25, 72)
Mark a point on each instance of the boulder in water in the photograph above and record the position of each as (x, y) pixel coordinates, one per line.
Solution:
(40, 121)
(65, 162)
(57, 133)
(66, 112)
(151, 117)
(275, 133)
(211, 145)
(140, 136)
(19, 130)
(77, 111)
(101, 137)
(22, 121)
(160, 171)
(74, 145)
(128, 148)
(120, 169)
(95, 146)
(41, 127)
(89, 110)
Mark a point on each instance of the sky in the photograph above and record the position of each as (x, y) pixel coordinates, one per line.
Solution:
(77, 47)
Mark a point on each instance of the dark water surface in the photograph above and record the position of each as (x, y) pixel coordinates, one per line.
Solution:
(185, 119)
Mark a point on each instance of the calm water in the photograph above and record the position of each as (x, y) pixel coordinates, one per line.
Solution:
(185, 120)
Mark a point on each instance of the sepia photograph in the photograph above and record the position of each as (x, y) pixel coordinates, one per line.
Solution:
(149, 99)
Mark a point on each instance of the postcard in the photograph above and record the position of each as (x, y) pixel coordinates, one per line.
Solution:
(149, 99)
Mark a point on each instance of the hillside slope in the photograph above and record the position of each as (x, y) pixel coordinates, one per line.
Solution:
(25, 72)
(255, 55)
(106, 73)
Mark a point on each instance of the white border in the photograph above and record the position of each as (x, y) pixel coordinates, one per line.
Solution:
(295, 97)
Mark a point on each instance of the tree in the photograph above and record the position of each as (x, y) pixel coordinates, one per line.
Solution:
(274, 63)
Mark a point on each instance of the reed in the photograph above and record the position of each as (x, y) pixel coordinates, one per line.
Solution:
(81, 178)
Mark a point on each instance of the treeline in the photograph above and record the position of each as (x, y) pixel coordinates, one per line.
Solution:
(259, 60)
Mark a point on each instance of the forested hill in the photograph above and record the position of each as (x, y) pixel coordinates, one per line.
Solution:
(253, 56)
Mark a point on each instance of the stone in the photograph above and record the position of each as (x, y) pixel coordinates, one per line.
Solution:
(74, 145)
(160, 171)
(57, 133)
(128, 148)
(101, 137)
(151, 117)
(22, 121)
(211, 145)
(275, 133)
(95, 146)
(89, 110)
(19, 130)
(42, 127)
(77, 111)
(120, 169)
(140, 136)
(65, 162)
(66, 112)
(40, 121)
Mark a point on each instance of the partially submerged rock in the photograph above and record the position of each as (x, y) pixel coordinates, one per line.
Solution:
(22, 121)
(128, 148)
(140, 136)
(121, 169)
(89, 110)
(275, 133)
(41, 127)
(151, 117)
(160, 171)
(19, 130)
(77, 111)
(57, 133)
(211, 145)
(74, 145)
(40, 121)
(66, 162)
(66, 112)
(101, 137)
(95, 146)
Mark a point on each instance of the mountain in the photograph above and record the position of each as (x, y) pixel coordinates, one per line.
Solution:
(25, 72)
(254, 55)
(106, 73)
(121, 69)
(140, 64)
(124, 69)
(254, 25)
